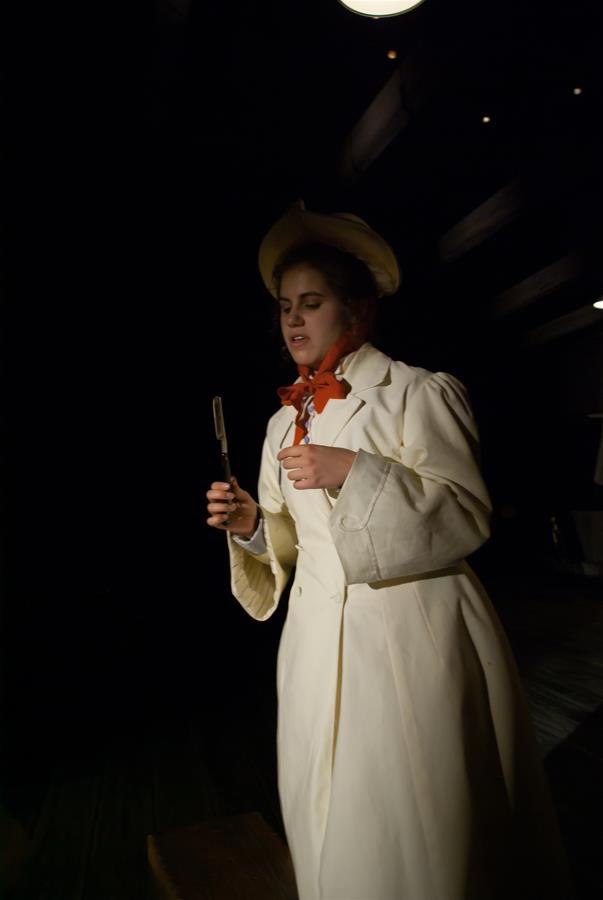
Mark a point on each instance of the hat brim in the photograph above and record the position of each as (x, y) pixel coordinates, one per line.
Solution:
(342, 230)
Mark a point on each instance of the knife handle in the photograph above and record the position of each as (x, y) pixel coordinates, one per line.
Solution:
(226, 468)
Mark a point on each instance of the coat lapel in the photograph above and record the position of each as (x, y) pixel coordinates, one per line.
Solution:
(368, 368)
(337, 413)
(286, 430)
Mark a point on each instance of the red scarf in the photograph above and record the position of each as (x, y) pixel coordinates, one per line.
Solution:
(323, 386)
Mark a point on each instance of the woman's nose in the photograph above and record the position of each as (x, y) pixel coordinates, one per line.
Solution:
(294, 318)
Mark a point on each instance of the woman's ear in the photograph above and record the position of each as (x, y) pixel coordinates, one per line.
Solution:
(358, 325)
(355, 324)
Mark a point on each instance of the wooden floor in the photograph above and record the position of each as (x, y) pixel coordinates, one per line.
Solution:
(89, 812)
(556, 630)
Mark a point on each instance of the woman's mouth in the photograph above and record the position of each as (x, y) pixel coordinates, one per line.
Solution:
(298, 341)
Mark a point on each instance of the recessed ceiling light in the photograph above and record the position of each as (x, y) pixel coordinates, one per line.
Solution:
(378, 8)
(392, 54)
(577, 91)
(486, 119)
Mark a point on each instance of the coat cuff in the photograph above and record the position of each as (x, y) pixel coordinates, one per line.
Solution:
(256, 544)
(351, 513)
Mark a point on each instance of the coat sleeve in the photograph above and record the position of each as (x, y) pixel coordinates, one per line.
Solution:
(395, 519)
(258, 581)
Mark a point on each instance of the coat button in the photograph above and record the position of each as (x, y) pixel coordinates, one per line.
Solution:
(350, 522)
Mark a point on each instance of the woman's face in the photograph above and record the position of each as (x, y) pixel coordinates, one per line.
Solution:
(312, 317)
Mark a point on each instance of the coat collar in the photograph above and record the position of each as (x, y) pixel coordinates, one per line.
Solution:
(363, 369)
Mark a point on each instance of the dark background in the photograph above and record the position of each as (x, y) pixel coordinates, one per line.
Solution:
(148, 150)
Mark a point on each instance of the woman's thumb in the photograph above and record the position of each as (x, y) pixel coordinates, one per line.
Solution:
(241, 495)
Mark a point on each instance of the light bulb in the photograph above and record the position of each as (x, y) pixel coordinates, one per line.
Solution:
(378, 8)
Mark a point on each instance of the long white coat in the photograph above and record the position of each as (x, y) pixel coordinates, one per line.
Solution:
(407, 764)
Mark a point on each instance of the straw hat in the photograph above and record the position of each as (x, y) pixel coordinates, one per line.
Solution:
(342, 230)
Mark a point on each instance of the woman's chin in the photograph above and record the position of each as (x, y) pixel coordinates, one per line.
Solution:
(303, 356)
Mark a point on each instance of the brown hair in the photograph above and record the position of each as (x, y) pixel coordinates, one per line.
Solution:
(349, 278)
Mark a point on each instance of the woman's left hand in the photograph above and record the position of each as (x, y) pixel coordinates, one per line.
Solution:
(315, 466)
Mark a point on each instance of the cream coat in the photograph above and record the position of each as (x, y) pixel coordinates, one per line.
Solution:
(407, 764)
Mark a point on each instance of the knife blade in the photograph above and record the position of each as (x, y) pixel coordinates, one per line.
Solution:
(221, 436)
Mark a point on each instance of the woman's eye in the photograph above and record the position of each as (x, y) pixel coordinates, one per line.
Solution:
(312, 305)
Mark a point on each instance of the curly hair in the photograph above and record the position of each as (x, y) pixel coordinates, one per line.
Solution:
(348, 278)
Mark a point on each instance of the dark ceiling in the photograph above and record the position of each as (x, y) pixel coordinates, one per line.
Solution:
(151, 146)
(497, 223)
(182, 129)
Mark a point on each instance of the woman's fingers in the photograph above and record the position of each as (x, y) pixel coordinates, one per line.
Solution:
(295, 450)
(216, 521)
(219, 488)
(223, 514)
(316, 466)
(239, 494)
(291, 457)
(291, 462)
(231, 508)
(222, 507)
(224, 496)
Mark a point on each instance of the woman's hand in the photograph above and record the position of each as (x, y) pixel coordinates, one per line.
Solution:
(315, 466)
(231, 508)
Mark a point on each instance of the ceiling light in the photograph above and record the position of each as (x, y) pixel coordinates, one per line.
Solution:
(392, 54)
(577, 91)
(598, 304)
(486, 119)
(378, 8)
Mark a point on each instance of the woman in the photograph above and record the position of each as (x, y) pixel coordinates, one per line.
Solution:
(407, 765)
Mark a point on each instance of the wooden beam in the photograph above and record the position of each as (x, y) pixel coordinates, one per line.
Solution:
(376, 128)
(172, 10)
(598, 476)
(556, 328)
(540, 284)
(488, 218)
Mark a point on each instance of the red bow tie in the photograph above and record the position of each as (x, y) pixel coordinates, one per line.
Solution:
(322, 386)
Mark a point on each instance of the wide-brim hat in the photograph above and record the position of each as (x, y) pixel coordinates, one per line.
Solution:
(342, 230)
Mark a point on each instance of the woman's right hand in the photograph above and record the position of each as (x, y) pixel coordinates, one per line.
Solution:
(232, 503)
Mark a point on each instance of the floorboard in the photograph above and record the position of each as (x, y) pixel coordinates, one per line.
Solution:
(89, 820)
(62, 839)
(183, 790)
(555, 626)
(117, 866)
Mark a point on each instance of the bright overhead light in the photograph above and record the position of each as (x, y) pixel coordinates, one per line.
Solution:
(486, 119)
(598, 304)
(378, 8)
(392, 54)
(577, 91)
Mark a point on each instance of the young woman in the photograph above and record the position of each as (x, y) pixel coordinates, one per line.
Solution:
(407, 764)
